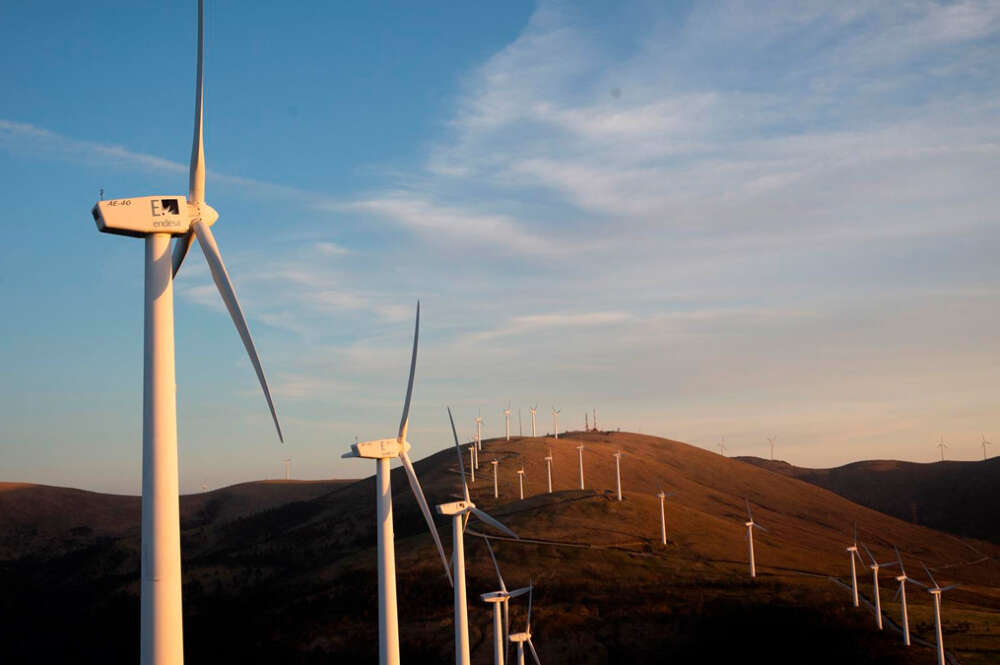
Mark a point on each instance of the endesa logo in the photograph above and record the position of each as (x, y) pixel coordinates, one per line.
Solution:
(164, 207)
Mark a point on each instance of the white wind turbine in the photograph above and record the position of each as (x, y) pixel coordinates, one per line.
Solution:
(383, 451)
(506, 420)
(722, 446)
(496, 485)
(548, 469)
(498, 599)
(852, 552)
(520, 639)
(586, 421)
(479, 432)
(533, 409)
(472, 463)
(941, 446)
(771, 440)
(985, 443)
(935, 592)
(459, 512)
(875, 565)
(158, 219)
(902, 578)
(555, 422)
(750, 524)
(520, 482)
(663, 516)
(580, 454)
(618, 473)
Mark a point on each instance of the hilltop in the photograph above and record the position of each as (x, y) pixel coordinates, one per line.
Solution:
(959, 497)
(296, 582)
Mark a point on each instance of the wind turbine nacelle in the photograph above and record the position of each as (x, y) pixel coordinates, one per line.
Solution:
(380, 448)
(494, 596)
(455, 508)
(143, 215)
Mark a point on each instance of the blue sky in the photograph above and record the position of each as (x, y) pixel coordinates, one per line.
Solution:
(705, 220)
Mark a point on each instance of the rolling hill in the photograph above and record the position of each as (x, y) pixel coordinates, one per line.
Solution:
(296, 582)
(959, 497)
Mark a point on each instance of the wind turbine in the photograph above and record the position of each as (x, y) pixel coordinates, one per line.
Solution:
(936, 591)
(941, 446)
(383, 451)
(985, 443)
(479, 432)
(875, 565)
(496, 486)
(288, 467)
(852, 552)
(459, 511)
(498, 599)
(586, 421)
(902, 578)
(770, 440)
(618, 473)
(472, 463)
(533, 409)
(722, 446)
(750, 524)
(548, 469)
(663, 516)
(555, 422)
(595, 420)
(522, 638)
(157, 219)
(520, 482)
(506, 418)
(580, 453)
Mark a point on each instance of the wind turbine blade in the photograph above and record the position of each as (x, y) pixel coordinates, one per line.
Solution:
(917, 582)
(898, 590)
(934, 581)
(869, 553)
(855, 534)
(494, 523)
(506, 630)
(531, 593)
(418, 493)
(758, 526)
(534, 654)
(181, 247)
(221, 277)
(405, 420)
(749, 512)
(899, 560)
(493, 557)
(458, 449)
(950, 586)
(196, 181)
(517, 593)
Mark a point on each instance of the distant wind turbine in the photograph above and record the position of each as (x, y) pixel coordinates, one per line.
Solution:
(525, 638)
(875, 565)
(555, 422)
(902, 578)
(618, 473)
(496, 486)
(595, 420)
(985, 443)
(506, 418)
(520, 482)
(941, 446)
(533, 409)
(459, 511)
(479, 432)
(722, 446)
(854, 554)
(935, 592)
(548, 469)
(750, 524)
(472, 463)
(383, 451)
(586, 423)
(663, 516)
(770, 440)
(580, 452)
(498, 599)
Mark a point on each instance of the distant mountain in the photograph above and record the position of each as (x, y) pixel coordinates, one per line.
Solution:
(42, 520)
(296, 582)
(958, 497)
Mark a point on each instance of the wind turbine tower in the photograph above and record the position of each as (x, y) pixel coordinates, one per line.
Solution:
(580, 453)
(935, 592)
(458, 510)
(496, 486)
(520, 639)
(472, 464)
(520, 482)
(555, 422)
(618, 473)
(595, 420)
(902, 578)
(941, 446)
(875, 565)
(985, 443)
(383, 451)
(479, 432)
(533, 409)
(750, 524)
(663, 516)
(498, 599)
(506, 417)
(548, 469)
(159, 219)
(770, 440)
(722, 446)
(586, 421)
(853, 553)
